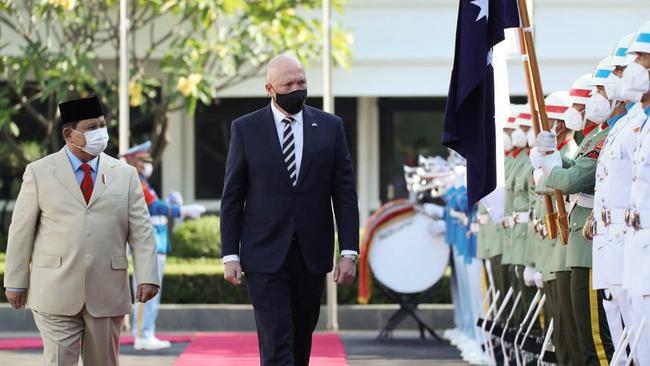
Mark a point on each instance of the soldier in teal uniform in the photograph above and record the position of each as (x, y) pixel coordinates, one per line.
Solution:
(576, 178)
(564, 324)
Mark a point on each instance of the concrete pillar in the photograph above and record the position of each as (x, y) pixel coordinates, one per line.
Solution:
(367, 156)
(178, 158)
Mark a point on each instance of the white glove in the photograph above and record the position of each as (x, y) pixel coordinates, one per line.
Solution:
(437, 227)
(551, 161)
(192, 211)
(538, 280)
(175, 198)
(536, 158)
(546, 142)
(540, 182)
(434, 210)
(529, 276)
(538, 174)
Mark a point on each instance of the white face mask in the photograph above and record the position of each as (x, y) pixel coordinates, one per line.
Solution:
(96, 141)
(148, 170)
(613, 87)
(507, 142)
(635, 82)
(574, 119)
(598, 108)
(519, 138)
(531, 138)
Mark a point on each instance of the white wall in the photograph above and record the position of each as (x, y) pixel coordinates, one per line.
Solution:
(405, 48)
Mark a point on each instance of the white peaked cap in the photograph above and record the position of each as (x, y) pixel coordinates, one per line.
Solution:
(602, 71)
(581, 90)
(556, 104)
(525, 117)
(641, 41)
(511, 122)
(620, 56)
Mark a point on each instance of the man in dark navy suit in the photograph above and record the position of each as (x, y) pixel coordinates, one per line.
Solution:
(288, 166)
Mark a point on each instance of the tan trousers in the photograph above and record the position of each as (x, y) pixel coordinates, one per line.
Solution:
(65, 338)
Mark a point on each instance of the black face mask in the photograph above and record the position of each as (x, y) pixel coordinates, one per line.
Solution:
(291, 102)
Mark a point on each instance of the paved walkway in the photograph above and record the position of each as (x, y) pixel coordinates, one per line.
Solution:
(406, 349)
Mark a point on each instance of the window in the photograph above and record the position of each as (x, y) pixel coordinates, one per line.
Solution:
(408, 127)
(212, 136)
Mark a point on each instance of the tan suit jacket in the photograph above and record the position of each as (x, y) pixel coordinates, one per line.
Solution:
(68, 253)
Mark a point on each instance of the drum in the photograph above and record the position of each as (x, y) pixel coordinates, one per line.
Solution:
(401, 250)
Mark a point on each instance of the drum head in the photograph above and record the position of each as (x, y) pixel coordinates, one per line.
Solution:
(405, 257)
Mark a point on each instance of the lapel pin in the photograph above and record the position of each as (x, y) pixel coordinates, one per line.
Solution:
(104, 178)
(314, 124)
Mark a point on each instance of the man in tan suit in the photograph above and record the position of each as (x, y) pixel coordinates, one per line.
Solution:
(66, 254)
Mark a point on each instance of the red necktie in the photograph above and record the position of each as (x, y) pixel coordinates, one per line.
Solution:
(87, 182)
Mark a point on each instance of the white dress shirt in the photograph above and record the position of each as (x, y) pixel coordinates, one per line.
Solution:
(298, 138)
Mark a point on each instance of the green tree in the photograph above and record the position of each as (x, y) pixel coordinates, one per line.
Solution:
(181, 52)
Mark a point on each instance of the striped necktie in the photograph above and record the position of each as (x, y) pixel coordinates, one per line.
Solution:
(86, 182)
(289, 150)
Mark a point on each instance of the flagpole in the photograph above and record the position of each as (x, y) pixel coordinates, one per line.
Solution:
(538, 94)
(123, 82)
(328, 106)
(551, 216)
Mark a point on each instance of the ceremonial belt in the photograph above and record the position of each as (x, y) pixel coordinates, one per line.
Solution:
(483, 219)
(521, 217)
(638, 219)
(582, 200)
(612, 215)
(508, 221)
(159, 220)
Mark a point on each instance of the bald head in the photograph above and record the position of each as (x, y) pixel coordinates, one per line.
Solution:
(281, 65)
(284, 74)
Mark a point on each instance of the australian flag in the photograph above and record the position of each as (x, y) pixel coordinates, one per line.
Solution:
(469, 117)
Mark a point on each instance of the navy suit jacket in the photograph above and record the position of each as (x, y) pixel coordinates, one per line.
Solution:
(260, 210)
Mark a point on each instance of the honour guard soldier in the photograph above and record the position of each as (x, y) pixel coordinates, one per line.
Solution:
(145, 314)
(635, 86)
(517, 156)
(500, 271)
(564, 324)
(521, 209)
(576, 177)
(611, 198)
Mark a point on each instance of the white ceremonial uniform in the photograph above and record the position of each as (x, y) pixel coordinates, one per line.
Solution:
(636, 257)
(614, 197)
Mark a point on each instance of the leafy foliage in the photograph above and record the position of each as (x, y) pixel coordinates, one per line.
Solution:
(197, 238)
(181, 51)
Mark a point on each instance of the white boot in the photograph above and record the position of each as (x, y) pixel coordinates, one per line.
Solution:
(150, 344)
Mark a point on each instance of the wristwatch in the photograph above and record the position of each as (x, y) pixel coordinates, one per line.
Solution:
(354, 258)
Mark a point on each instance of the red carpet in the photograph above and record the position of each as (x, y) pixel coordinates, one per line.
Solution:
(9, 344)
(240, 349)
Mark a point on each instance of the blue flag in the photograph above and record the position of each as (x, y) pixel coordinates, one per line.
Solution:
(469, 116)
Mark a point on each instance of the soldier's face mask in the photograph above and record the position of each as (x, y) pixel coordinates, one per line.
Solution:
(574, 120)
(613, 87)
(635, 82)
(507, 142)
(519, 138)
(598, 108)
(531, 138)
(147, 170)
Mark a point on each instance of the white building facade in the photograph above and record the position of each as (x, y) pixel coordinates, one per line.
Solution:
(393, 96)
(392, 99)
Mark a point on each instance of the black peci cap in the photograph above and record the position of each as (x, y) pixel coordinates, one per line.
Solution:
(80, 109)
